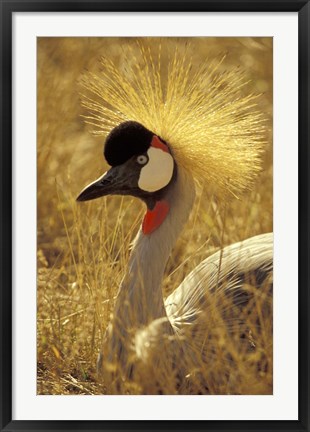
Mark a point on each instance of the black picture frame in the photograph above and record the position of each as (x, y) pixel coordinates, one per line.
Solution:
(7, 8)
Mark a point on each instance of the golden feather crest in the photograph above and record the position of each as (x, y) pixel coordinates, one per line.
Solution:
(214, 130)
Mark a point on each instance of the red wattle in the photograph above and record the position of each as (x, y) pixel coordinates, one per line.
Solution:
(154, 218)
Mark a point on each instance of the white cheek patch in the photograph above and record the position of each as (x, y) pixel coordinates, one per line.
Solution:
(157, 173)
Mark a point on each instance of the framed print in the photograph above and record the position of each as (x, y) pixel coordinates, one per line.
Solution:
(154, 208)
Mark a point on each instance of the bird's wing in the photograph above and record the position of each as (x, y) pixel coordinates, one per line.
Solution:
(228, 269)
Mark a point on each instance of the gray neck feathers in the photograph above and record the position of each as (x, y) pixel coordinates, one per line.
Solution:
(140, 298)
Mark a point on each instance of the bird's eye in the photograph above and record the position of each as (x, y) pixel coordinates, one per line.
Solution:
(142, 159)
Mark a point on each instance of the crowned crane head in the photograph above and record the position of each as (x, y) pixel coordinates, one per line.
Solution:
(161, 115)
(141, 165)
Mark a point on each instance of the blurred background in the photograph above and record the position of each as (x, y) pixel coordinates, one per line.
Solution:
(83, 250)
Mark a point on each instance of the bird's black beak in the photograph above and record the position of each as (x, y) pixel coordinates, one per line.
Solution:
(113, 181)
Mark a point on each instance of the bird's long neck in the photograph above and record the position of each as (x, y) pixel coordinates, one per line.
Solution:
(139, 304)
(140, 298)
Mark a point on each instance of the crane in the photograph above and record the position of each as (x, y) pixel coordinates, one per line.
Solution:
(165, 132)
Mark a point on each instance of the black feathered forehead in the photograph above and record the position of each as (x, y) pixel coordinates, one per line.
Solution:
(126, 140)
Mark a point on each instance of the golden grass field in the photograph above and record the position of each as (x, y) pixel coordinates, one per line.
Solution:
(83, 249)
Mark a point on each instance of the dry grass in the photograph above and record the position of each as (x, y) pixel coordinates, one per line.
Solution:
(83, 250)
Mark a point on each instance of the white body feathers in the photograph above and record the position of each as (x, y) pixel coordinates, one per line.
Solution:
(146, 332)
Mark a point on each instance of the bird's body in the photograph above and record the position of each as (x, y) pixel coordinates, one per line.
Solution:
(147, 332)
(228, 270)
(168, 346)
